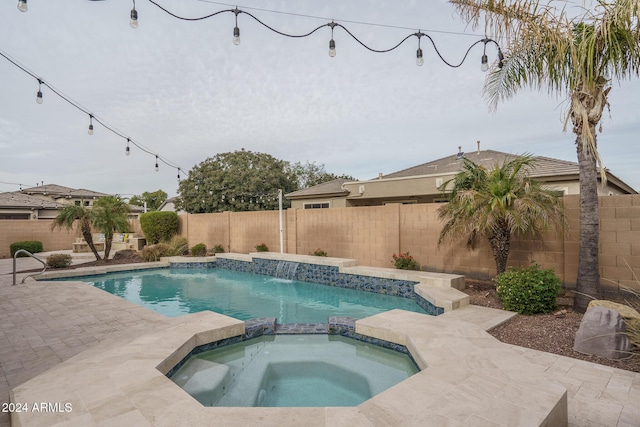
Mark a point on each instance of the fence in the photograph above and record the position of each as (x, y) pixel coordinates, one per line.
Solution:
(372, 234)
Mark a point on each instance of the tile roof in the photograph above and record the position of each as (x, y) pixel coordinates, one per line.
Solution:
(18, 200)
(325, 189)
(545, 166)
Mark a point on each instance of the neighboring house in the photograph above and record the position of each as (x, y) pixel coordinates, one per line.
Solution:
(16, 205)
(45, 202)
(420, 184)
(169, 205)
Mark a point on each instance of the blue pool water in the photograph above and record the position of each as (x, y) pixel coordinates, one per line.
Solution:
(174, 292)
(293, 370)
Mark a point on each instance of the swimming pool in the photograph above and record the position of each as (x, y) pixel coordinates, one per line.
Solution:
(174, 292)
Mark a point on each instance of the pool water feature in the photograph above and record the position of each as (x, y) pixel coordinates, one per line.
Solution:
(293, 371)
(174, 292)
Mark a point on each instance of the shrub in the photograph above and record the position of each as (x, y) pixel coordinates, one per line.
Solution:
(319, 252)
(58, 260)
(404, 261)
(159, 226)
(179, 245)
(199, 250)
(155, 252)
(32, 246)
(528, 290)
(218, 249)
(262, 248)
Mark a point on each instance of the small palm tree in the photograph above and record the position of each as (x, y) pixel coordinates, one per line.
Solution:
(109, 215)
(67, 218)
(498, 203)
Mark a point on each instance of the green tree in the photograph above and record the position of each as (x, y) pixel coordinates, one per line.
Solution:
(311, 174)
(237, 181)
(153, 199)
(498, 203)
(577, 55)
(67, 218)
(109, 215)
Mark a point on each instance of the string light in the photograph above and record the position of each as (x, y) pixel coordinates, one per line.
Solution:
(22, 6)
(133, 23)
(332, 42)
(39, 94)
(236, 30)
(178, 174)
(127, 152)
(92, 117)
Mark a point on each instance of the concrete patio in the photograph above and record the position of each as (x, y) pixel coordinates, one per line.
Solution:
(43, 324)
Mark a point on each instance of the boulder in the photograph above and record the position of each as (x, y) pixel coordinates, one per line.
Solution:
(602, 333)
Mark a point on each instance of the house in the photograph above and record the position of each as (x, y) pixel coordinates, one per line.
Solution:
(16, 205)
(46, 201)
(421, 183)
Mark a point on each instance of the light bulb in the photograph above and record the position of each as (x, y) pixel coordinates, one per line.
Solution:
(39, 97)
(332, 48)
(22, 6)
(178, 175)
(236, 36)
(484, 66)
(127, 152)
(90, 125)
(134, 18)
(157, 168)
(419, 58)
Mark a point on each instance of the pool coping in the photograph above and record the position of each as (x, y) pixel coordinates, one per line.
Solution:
(472, 378)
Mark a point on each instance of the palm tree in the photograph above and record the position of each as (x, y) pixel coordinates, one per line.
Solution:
(67, 218)
(109, 216)
(498, 203)
(576, 52)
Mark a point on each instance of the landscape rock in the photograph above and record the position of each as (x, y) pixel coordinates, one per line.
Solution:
(602, 333)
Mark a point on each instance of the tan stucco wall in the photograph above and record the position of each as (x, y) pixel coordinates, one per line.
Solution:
(372, 234)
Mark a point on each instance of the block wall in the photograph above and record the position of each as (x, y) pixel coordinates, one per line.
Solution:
(372, 234)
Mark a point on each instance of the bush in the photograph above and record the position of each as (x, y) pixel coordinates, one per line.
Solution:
(32, 246)
(218, 249)
(179, 245)
(528, 290)
(199, 250)
(404, 261)
(319, 252)
(58, 260)
(153, 253)
(159, 226)
(262, 248)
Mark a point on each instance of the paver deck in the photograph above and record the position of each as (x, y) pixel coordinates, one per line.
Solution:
(43, 324)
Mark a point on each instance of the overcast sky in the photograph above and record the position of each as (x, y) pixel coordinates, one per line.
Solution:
(184, 91)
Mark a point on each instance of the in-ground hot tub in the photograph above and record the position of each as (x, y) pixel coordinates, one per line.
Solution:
(293, 371)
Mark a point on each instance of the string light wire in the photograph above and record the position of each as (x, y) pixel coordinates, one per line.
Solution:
(92, 116)
(236, 11)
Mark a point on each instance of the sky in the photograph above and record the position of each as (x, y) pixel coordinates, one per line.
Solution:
(183, 90)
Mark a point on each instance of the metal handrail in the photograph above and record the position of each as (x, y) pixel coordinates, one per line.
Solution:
(15, 256)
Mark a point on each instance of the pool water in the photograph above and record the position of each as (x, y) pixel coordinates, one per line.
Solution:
(174, 292)
(293, 370)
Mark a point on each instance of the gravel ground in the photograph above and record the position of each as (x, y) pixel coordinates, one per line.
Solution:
(552, 333)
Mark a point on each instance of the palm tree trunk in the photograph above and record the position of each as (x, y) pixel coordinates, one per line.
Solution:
(85, 228)
(588, 280)
(500, 242)
(108, 239)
